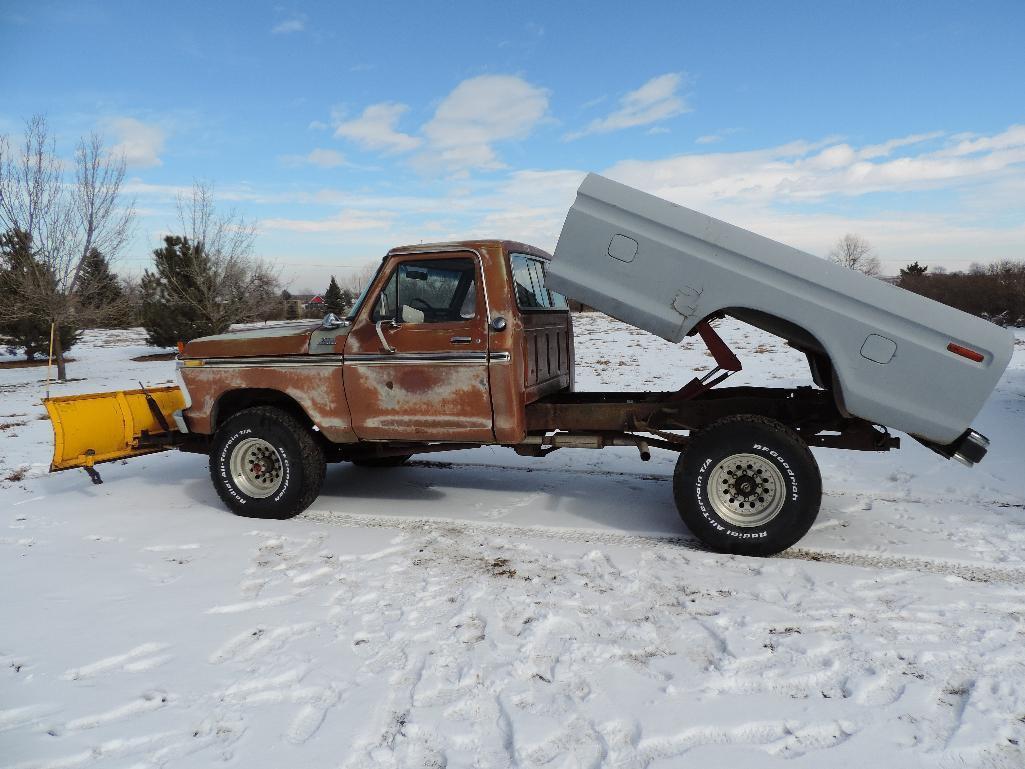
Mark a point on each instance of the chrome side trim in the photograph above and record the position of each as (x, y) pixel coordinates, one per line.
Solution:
(430, 357)
(433, 358)
(298, 361)
(284, 361)
(385, 361)
(404, 357)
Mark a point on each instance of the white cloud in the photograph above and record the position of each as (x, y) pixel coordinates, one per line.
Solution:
(343, 221)
(716, 137)
(140, 143)
(288, 26)
(970, 144)
(777, 191)
(478, 113)
(322, 158)
(757, 189)
(886, 148)
(815, 170)
(325, 158)
(317, 125)
(375, 129)
(529, 206)
(654, 101)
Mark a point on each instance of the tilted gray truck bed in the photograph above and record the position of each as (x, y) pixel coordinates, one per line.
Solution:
(664, 268)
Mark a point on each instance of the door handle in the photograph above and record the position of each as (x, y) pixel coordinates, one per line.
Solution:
(460, 340)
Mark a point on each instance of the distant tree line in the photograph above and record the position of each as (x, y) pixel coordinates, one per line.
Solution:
(994, 291)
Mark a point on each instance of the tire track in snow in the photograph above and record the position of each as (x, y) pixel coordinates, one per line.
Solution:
(142, 657)
(967, 571)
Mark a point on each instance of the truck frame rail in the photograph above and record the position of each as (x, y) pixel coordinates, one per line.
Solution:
(809, 411)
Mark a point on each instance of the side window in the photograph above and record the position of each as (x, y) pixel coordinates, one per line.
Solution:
(529, 280)
(429, 291)
(537, 273)
(523, 281)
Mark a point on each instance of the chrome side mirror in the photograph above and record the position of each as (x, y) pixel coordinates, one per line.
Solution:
(331, 321)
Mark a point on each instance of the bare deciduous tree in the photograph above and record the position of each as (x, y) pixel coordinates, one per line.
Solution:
(64, 220)
(357, 278)
(855, 253)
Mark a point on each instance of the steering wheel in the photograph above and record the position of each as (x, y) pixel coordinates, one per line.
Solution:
(420, 304)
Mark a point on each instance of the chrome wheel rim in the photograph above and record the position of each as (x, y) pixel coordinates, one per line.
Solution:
(746, 490)
(255, 467)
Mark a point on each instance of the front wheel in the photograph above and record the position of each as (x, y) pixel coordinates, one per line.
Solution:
(266, 464)
(747, 485)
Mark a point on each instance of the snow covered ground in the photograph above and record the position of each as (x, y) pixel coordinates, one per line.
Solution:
(486, 610)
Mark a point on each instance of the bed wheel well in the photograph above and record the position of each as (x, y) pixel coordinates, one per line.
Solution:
(823, 372)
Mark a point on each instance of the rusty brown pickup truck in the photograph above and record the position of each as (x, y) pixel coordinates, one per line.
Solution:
(459, 345)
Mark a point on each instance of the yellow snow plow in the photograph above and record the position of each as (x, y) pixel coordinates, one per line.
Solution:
(103, 427)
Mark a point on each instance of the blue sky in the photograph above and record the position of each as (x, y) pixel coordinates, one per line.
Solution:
(347, 128)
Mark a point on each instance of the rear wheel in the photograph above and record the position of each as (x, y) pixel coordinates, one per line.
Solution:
(747, 485)
(266, 464)
(382, 461)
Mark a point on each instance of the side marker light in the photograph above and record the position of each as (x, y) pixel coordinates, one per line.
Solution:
(966, 352)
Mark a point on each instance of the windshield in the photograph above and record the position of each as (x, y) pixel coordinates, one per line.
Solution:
(363, 294)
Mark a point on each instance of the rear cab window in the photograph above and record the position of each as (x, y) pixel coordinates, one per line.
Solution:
(528, 273)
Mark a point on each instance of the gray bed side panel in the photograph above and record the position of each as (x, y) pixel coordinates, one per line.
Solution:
(688, 265)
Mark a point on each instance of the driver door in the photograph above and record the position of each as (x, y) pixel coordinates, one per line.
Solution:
(416, 361)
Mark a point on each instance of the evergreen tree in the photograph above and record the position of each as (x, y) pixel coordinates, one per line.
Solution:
(912, 276)
(348, 300)
(914, 269)
(20, 275)
(101, 290)
(334, 301)
(174, 295)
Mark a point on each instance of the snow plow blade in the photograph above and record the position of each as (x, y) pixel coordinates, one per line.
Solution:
(103, 427)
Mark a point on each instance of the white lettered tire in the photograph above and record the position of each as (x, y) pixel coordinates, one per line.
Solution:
(265, 463)
(747, 485)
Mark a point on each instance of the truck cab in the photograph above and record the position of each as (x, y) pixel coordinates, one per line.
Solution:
(452, 341)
